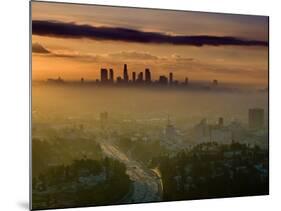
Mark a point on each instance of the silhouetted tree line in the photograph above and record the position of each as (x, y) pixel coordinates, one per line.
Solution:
(106, 182)
(58, 150)
(139, 149)
(211, 170)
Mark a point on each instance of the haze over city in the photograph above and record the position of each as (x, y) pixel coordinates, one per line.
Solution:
(145, 105)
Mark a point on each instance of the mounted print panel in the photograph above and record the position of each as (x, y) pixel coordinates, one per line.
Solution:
(134, 105)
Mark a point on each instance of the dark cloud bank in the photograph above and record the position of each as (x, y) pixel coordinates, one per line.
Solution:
(72, 30)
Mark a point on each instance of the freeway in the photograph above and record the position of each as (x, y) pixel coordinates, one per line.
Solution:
(147, 186)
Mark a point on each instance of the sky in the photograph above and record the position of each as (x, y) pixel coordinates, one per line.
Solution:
(74, 41)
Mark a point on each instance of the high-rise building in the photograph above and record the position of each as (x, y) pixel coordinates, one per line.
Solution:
(140, 77)
(125, 73)
(103, 75)
(111, 75)
(202, 131)
(103, 116)
(104, 119)
(163, 80)
(215, 82)
(256, 118)
(119, 79)
(171, 78)
(186, 81)
(147, 75)
(134, 76)
(220, 123)
(170, 131)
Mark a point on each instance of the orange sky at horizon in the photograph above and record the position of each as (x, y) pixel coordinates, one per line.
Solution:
(73, 58)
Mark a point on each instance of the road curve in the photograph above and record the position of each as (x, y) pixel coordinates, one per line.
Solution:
(146, 184)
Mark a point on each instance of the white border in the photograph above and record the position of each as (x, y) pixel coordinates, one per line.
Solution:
(14, 116)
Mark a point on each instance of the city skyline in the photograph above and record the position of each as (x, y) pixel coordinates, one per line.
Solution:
(145, 77)
(142, 78)
(225, 47)
(144, 105)
(107, 77)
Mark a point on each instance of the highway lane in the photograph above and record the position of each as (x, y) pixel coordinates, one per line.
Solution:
(146, 184)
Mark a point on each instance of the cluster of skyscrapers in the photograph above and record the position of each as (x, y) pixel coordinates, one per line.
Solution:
(107, 77)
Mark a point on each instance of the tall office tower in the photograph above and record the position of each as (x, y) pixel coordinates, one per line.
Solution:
(111, 75)
(147, 75)
(171, 78)
(104, 116)
(119, 79)
(140, 77)
(186, 81)
(104, 119)
(134, 76)
(163, 80)
(170, 131)
(220, 123)
(215, 82)
(125, 73)
(103, 75)
(256, 118)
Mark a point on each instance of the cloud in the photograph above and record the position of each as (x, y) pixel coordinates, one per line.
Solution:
(179, 58)
(73, 30)
(73, 55)
(37, 48)
(122, 56)
(41, 50)
(175, 62)
(133, 55)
